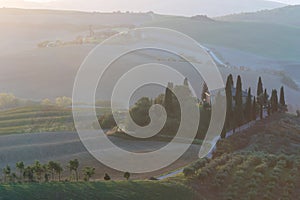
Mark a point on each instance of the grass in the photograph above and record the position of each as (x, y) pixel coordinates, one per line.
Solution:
(111, 190)
(38, 119)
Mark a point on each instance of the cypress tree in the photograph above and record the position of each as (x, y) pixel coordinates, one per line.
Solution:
(260, 89)
(186, 82)
(282, 98)
(204, 91)
(248, 107)
(229, 112)
(260, 97)
(168, 102)
(266, 97)
(274, 101)
(254, 109)
(239, 115)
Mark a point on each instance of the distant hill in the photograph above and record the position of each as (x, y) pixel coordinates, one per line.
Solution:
(289, 15)
(274, 41)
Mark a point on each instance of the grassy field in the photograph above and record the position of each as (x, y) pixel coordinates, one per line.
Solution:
(36, 119)
(111, 190)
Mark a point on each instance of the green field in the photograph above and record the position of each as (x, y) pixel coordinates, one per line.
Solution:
(133, 190)
(35, 119)
(274, 41)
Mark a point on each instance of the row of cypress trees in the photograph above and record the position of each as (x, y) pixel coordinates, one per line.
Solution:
(239, 112)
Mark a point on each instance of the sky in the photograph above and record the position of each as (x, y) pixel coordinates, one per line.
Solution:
(292, 2)
(212, 8)
(281, 1)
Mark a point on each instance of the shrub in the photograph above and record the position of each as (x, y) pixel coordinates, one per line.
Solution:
(200, 163)
(107, 121)
(261, 168)
(189, 171)
(127, 175)
(107, 177)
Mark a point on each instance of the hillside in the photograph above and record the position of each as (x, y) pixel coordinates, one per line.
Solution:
(286, 16)
(273, 41)
(259, 163)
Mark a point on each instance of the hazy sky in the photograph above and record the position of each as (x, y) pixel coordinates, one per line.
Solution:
(175, 7)
(281, 1)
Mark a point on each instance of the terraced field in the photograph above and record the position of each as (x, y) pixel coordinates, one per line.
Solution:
(36, 119)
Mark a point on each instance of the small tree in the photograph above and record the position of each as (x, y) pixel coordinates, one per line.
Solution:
(6, 172)
(73, 166)
(51, 167)
(186, 82)
(88, 172)
(204, 92)
(38, 170)
(107, 177)
(20, 166)
(127, 175)
(29, 174)
(58, 169)
(188, 171)
(107, 121)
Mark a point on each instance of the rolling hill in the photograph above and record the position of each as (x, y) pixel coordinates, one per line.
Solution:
(274, 41)
(259, 163)
(287, 16)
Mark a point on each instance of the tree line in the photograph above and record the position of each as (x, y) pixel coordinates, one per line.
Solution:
(242, 106)
(49, 172)
(240, 112)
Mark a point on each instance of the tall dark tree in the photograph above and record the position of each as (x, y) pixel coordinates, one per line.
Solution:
(168, 102)
(261, 103)
(266, 97)
(260, 89)
(229, 112)
(248, 107)
(204, 92)
(274, 101)
(239, 114)
(260, 97)
(254, 109)
(186, 82)
(282, 97)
